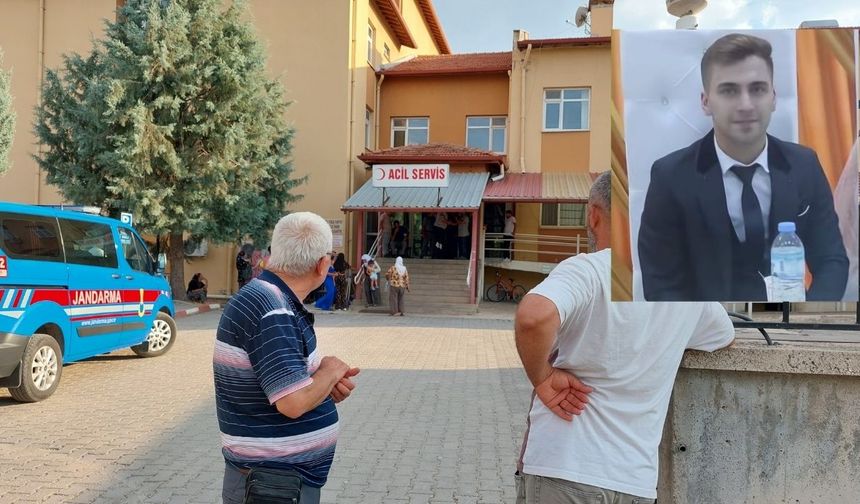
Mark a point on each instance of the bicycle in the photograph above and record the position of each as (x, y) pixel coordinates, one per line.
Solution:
(505, 289)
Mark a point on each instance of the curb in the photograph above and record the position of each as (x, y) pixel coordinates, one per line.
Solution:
(197, 310)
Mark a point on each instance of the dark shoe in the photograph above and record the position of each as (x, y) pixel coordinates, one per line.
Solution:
(401, 314)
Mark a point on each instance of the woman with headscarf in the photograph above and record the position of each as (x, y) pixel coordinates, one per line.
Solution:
(341, 283)
(398, 285)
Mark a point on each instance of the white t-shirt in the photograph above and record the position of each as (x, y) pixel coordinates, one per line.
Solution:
(629, 354)
(510, 222)
(463, 227)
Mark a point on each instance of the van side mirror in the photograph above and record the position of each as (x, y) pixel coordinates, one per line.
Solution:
(162, 263)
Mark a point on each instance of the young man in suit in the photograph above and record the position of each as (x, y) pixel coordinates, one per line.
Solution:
(712, 208)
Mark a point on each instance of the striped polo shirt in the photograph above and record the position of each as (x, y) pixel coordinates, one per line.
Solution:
(265, 348)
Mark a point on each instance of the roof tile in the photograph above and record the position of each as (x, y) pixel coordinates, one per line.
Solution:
(445, 64)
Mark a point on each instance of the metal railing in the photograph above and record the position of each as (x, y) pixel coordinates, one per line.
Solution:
(497, 245)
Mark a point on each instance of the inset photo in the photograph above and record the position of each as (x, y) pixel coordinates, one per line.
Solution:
(735, 163)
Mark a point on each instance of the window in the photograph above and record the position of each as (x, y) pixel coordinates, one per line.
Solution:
(368, 129)
(88, 243)
(487, 133)
(562, 215)
(410, 131)
(134, 251)
(30, 237)
(371, 39)
(565, 109)
(386, 52)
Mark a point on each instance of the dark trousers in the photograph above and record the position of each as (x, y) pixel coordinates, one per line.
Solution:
(371, 297)
(464, 244)
(509, 245)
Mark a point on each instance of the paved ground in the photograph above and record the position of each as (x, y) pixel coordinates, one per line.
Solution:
(437, 417)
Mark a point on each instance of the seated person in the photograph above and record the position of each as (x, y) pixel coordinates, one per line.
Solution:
(197, 288)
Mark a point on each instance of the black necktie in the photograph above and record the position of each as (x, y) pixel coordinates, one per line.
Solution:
(753, 221)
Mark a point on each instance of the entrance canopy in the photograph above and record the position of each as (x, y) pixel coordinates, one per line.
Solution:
(464, 193)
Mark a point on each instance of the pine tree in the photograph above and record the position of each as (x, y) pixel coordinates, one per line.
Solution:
(172, 117)
(7, 117)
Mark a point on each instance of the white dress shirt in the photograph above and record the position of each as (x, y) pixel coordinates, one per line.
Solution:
(735, 187)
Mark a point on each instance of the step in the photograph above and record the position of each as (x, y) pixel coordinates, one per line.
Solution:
(412, 297)
(429, 309)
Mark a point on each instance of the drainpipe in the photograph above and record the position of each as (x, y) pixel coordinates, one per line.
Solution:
(350, 179)
(377, 113)
(41, 85)
(524, 62)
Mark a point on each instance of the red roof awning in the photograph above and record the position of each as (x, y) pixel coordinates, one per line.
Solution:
(540, 188)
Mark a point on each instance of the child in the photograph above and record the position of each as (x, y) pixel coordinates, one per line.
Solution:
(373, 270)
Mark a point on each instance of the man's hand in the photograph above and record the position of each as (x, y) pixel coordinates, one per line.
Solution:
(344, 387)
(563, 394)
(333, 365)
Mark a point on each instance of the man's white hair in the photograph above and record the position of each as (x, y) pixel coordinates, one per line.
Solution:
(299, 240)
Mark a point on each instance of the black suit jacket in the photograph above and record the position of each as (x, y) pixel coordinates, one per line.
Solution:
(685, 241)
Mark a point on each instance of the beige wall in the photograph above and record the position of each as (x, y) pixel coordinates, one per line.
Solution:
(554, 67)
(601, 20)
(564, 249)
(446, 100)
(568, 151)
(68, 25)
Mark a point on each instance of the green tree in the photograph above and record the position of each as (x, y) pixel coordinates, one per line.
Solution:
(7, 117)
(172, 117)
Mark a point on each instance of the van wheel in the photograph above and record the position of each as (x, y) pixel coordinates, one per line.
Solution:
(41, 367)
(160, 339)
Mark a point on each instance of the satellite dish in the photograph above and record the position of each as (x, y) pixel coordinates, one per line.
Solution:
(580, 17)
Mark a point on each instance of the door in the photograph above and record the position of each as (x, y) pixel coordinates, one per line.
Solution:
(96, 287)
(33, 274)
(138, 268)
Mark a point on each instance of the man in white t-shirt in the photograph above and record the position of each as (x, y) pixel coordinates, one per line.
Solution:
(603, 374)
(510, 229)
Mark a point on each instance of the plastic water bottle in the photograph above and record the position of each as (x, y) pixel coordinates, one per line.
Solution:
(787, 265)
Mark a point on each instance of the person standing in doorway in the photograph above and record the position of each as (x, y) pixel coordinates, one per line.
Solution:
(400, 236)
(384, 227)
(463, 237)
(440, 226)
(508, 233)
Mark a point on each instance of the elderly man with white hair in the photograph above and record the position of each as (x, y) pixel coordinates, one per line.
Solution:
(275, 395)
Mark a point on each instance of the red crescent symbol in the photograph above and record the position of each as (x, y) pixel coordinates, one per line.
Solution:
(380, 172)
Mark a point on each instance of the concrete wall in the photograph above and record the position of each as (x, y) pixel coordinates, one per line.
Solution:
(764, 424)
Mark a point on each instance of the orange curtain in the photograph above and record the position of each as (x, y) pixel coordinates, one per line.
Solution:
(826, 95)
